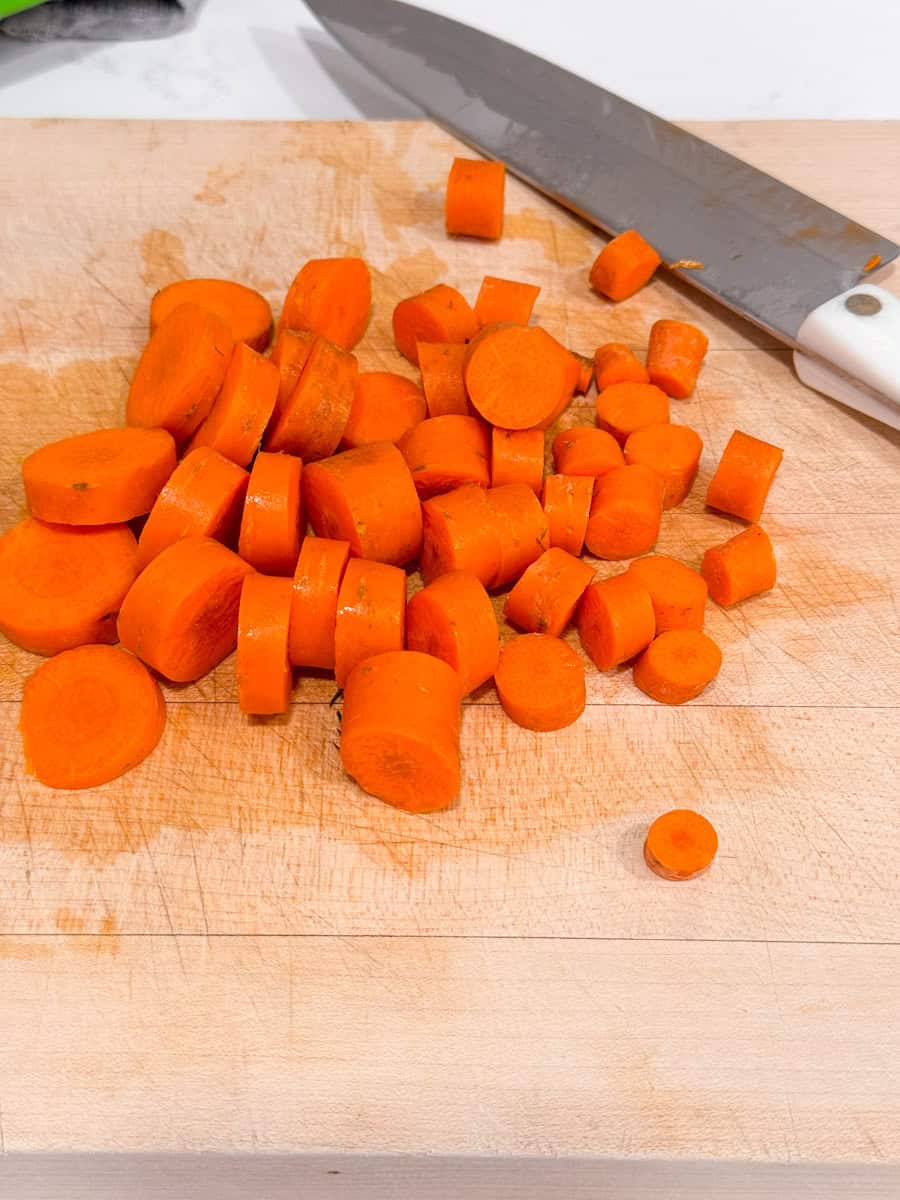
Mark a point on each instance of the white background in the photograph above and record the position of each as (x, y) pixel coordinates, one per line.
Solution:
(686, 59)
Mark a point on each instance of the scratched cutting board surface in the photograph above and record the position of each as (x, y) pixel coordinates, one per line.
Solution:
(237, 826)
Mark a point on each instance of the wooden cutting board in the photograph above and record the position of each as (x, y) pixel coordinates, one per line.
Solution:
(233, 948)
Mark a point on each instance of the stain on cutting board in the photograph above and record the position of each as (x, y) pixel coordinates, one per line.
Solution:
(162, 254)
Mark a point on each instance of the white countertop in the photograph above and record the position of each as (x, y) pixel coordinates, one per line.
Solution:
(690, 60)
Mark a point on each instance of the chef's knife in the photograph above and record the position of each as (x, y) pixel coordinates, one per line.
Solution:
(789, 264)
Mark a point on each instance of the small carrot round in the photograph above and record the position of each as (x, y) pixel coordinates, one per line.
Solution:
(518, 377)
(331, 297)
(615, 363)
(312, 420)
(584, 450)
(501, 300)
(385, 407)
(517, 456)
(453, 618)
(678, 593)
(521, 529)
(585, 374)
(289, 354)
(263, 668)
(675, 355)
(180, 615)
(673, 452)
(567, 506)
(625, 513)
(62, 585)
(460, 534)
(441, 364)
(615, 620)
(180, 372)
(366, 497)
(400, 730)
(88, 716)
(742, 567)
(623, 266)
(203, 497)
(444, 453)
(540, 682)
(273, 524)
(246, 313)
(104, 477)
(243, 407)
(371, 614)
(744, 476)
(680, 844)
(317, 581)
(475, 196)
(677, 666)
(547, 593)
(440, 314)
(625, 407)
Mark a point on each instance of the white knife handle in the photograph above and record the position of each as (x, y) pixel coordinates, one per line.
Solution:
(859, 333)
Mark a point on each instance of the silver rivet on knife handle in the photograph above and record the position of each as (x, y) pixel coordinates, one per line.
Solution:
(862, 304)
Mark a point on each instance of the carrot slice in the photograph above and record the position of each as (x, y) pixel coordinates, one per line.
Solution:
(540, 682)
(625, 407)
(331, 297)
(680, 844)
(441, 364)
(89, 715)
(673, 452)
(475, 195)
(585, 374)
(400, 730)
(203, 497)
(615, 363)
(181, 614)
(615, 620)
(744, 476)
(243, 407)
(385, 407)
(453, 618)
(246, 313)
(623, 266)
(180, 372)
(366, 497)
(678, 594)
(460, 534)
(289, 354)
(505, 300)
(440, 314)
(273, 524)
(62, 584)
(567, 506)
(99, 478)
(546, 596)
(584, 450)
(263, 668)
(317, 581)
(677, 666)
(625, 513)
(444, 453)
(742, 567)
(675, 356)
(312, 420)
(517, 456)
(518, 377)
(371, 613)
(521, 529)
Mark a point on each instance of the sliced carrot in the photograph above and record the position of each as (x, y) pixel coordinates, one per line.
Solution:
(100, 478)
(742, 567)
(263, 668)
(623, 266)
(625, 407)
(475, 195)
(180, 372)
(273, 524)
(675, 356)
(371, 614)
(521, 529)
(243, 407)
(385, 407)
(547, 593)
(181, 614)
(678, 593)
(460, 534)
(744, 476)
(400, 730)
(585, 374)
(441, 364)
(444, 453)
(615, 620)
(366, 497)
(517, 456)
(88, 716)
(331, 297)
(540, 682)
(453, 618)
(615, 363)
(673, 452)
(289, 354)
(677, 666)
(440, 314)
(584, 450)
(203, 497)
(246, 313)
(567, 506)
(518, 377)
(625, 513)
(317, 581)
(62, 584)
(312, 420)
(680, 844)
(505, 300)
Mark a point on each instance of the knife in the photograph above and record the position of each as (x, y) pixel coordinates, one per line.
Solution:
(789, 264)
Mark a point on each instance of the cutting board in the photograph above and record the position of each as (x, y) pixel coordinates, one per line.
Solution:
(235, 949)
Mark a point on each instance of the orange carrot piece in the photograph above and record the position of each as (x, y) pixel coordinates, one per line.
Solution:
(264, 674)
(623, 266)
(366, 497)
(441, 364)
(625, 407)
(444, 453)
(673, 452)
(440, 314)
(540, 682)
(385, 407)
(453, 618)
(475, 197)
(742, 567)
(181, 614)
(615, 363)
(567, 506)
(518, 377)
(680, 844)
(615, 620)
(246, 313)
(312, 420)
(521, 529)
(584, 450)
(501, 300)
(331, 297)
(317, 581)
(585, 374)
(180, 372)
(88, 716)
(104, 477)
(289, 354)
(62, 584)
(625, 513)
(675, 356)
(744, 476)
(204, 497)
(273, 524)
(547, 593)
(460, 534)
(517, 456)
(243, 407)
(677, 666)
(400, 730)
(678, 593)
(371, 614)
